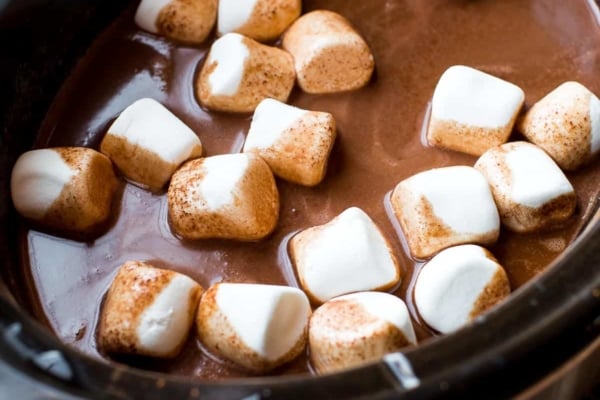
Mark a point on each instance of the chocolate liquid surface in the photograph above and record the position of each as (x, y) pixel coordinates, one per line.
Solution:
(536, 44)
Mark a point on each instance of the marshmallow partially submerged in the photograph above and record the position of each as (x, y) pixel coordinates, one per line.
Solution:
(148, 311)
(353, 329)
(348, 254)
(329, 55)
(530, 190)
(444, 207)
(472, 111)
(66, 188)
(239, 73)
(295, 143)
(457, 285)
(231, 196)
(258, 327)
(565, 124)
(147, 143)
(185, 20)
(261, 20)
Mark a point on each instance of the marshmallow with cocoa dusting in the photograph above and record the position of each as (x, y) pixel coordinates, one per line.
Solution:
(444, 207)
(457, 285)
(329, 54)
(356, 328)
(530, 190)
(239, 73)
(187, 21)
(65, 188)
(147, 143)
(347, 254)
(258, 327)
(472, 111)
(148, 311)
(262, 20)
(231, 196)
(565, 124)
(295, 143)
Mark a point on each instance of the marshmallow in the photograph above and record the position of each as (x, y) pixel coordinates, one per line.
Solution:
(240, 72)
(565, 124)
(231, 196)
(258, 327)
(66, 188)
(330, 56)
(295, 143)
(147, 143)
(530, 190)
(262, 20)
(185, 20)
(444, 207)
(347, 254)
(148, 311)
(472, 111)
(356, 328)
(457, 285)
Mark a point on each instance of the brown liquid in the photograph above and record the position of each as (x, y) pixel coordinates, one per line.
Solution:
(535, 44)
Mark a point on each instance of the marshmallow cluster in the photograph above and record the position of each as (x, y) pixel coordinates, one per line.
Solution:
(148, 311)
(65, 188)
(348, 254)
(258, 327)
(295, 143)
(148, 143)
(356, 328)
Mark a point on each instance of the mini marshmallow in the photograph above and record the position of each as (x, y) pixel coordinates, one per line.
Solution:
(147, 143)
(457, 285)
(231, 196)
(356, 328)
(347, 254)
(295, 143)
(530, 190)
(565, 124)
(472, 111)
(148, 311)
(240, 72)
(444, 207)
(330, 56)
(258, 327)
(187, 21)
(262, 20)
(65, 188)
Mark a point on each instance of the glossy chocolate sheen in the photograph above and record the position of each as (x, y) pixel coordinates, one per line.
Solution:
(536, 44)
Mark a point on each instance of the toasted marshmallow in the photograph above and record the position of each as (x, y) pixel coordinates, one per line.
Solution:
(147, 143)
(530, 190)
(356, 328)
(444, 207)
(231, 196)
(148, 311)
(457, 285)
(329, 54)
(565, 124)
(347, 254)
(240, 72)
(295, 143)
(262, 20)
(258, 327)
(472, 111)
(66, 188)
(185, 20)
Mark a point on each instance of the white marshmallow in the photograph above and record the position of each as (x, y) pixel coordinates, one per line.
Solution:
(349, 330)
(234, 14)
(147, 14)
(457, 285)
(256, 326)
(223, 174)
(347, 254)
(229, 53)
(443, 207)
